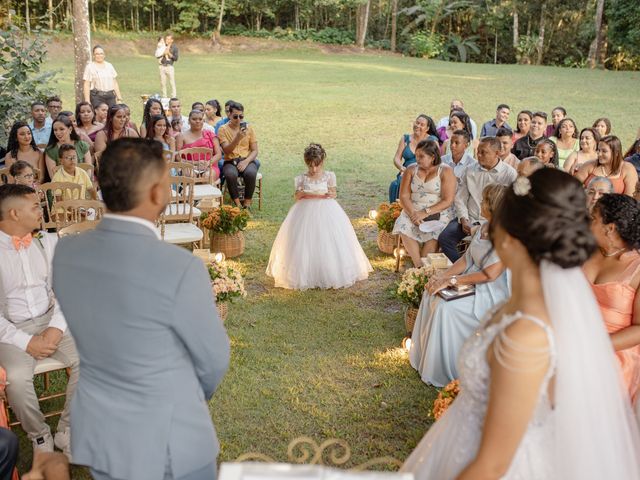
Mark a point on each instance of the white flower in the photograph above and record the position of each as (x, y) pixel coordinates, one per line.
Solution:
(522, 186)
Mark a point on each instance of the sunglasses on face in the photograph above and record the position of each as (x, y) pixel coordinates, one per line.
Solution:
(236, 117)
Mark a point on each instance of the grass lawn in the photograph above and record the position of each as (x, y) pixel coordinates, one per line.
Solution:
(329, 363)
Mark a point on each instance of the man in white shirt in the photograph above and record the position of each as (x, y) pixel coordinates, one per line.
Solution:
(167, 55)
(40, 124)
(176, 112)
(457, 105)
(459, 159)
(32, 326)
(489, 170)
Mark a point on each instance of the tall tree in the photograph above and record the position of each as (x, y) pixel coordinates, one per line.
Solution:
(596, 46)
(81, 42)
(362, 21)
(394, 24)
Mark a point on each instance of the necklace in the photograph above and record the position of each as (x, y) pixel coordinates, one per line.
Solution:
(612, 254)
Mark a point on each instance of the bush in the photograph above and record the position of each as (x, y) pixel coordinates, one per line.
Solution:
(334, 36)
(425, 45)
(21, 81)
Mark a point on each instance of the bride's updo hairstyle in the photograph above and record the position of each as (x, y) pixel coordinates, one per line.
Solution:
(547, 213)
(314, 154)
(624, 212)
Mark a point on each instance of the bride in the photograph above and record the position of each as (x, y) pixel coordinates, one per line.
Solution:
(541, 395)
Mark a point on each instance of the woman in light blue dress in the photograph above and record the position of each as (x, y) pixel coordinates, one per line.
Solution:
(442, 327)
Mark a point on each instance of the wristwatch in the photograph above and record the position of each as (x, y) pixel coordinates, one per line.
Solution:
(453, 281)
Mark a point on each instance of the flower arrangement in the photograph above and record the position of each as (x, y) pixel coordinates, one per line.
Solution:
(225, 219)
(226, 281)
(412, 284)
(446, 396)
(387, 215)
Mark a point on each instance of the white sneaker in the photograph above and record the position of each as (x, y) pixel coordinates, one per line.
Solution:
(43, 443)
(62, 440)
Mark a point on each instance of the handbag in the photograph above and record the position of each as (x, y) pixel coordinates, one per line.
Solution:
(453, 293)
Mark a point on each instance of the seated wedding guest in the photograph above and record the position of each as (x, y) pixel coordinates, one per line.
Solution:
(523, 124)
(22, 146)
(23, 174)
(70, 172)
(40, 123)
(459, 159)
(116, 127)
(102, 111)
(63, 132)
(589, 139)
(547, 152)
(557, 115)
(32, 325)
(54, 107)
(565, 137)
(602, 126)
(489, 169)
(225, 120)
(633, 155)
(152, 108)
(460, 121)
(456, 104)
(150, 362)
(405, 153)
(240, 145)
(212, 113)
(86, 121)
(610, 164)
(197, 137)
(525, 146)
(176, 127)
(426, 194)
(442, 327)
(72, 118)
(529, 165)
(490, 128)
(159, 131)
(176, 112)
(505, 136)
(597, 187)
(199, 106)
(614, 272)
(130, 124)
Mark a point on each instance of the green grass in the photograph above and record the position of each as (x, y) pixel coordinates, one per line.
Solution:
(329, 364)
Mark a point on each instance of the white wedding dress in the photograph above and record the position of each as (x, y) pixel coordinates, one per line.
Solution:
(589, 434)
(316, 246)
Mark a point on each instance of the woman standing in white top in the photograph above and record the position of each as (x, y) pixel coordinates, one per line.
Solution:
(100, 84)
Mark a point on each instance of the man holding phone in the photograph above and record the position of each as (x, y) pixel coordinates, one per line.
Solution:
(167, 55)
(240, 146)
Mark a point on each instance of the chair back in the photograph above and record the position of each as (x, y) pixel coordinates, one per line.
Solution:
(168, 155)
(69, 212)
(201, 158)
(53, 192)
(77, 228)
(180, 210)
(181, 169)
(4, 175)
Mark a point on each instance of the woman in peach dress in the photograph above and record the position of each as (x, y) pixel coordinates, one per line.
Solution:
(614, 273)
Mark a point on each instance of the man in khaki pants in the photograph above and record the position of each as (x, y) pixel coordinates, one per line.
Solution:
(32, 326)
(167, 54)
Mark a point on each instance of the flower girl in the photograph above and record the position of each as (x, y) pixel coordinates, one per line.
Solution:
(316, 246)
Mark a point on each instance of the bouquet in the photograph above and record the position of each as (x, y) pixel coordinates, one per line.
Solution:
(446, 396)
(226, 281)
(411, 286)
(387, 215)
(225, 219)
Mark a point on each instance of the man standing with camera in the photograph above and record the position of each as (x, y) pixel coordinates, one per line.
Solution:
(167, 55)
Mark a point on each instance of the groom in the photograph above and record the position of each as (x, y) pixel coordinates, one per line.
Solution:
(152, 348)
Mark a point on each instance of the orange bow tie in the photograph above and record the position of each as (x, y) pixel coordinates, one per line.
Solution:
(23, 242)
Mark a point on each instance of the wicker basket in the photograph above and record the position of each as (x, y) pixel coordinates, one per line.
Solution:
(223, 310)
(387, 242)
(232, 245)
(410, 315)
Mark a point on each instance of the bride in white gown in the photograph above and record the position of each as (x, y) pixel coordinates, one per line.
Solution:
(541, 395)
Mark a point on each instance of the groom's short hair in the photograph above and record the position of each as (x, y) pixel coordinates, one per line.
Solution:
(124, 167)
(12, 190)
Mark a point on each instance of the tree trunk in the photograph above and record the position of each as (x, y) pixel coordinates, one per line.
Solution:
(81, 42)
(362, 21)
(540, 46)
(108, 14)
(215, 35)
(27, 21)
(93, 15)
(50, 14)
(516, 33)
(596, 45)
(296, 16)
(394, 24)
(153, 18)
(495, 49)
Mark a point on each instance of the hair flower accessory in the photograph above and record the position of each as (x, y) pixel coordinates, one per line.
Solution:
(522, 186)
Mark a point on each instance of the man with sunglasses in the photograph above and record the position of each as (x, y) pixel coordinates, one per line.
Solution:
(240, 146)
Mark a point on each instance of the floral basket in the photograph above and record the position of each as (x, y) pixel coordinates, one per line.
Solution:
(226, 224)
(232, 245)
(386, 242)
(412, 284)
(446, 396)
(227, 284)
(410, 316)
(386, 216)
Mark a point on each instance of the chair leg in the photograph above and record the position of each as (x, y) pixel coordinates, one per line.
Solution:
(46, 381)
(397, 253)
(5, 404)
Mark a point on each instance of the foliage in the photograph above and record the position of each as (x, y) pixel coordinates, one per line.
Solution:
(21, 81)
(412, 284)
(226, 281)
(386, 216)
(334, 36)
(425, 45)
(446, 396)
(225, 219)
(458, 48)
(327, 35)
(624, 33)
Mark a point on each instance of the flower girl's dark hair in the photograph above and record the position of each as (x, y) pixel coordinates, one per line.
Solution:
(314, 154)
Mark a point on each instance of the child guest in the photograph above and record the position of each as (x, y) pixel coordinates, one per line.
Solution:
(71, 173)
